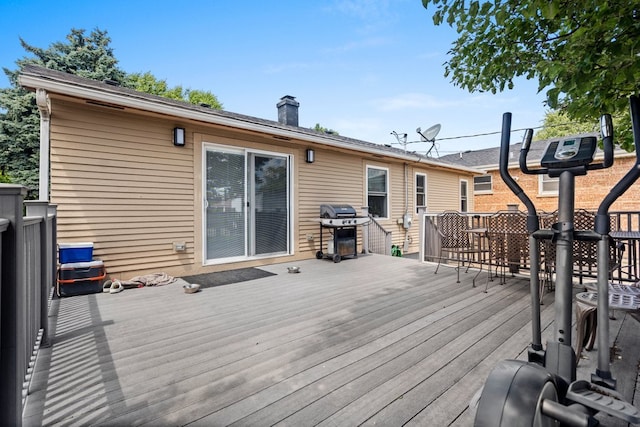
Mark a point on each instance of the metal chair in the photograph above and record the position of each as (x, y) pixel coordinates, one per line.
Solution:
(508, 242)
(457, 242)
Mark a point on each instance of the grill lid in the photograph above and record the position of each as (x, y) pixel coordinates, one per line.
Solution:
(337, 211)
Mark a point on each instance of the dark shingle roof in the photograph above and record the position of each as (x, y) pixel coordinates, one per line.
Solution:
(488, 158)
(56, 77)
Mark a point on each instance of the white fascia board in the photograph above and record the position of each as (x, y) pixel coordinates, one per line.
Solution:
(157, 106)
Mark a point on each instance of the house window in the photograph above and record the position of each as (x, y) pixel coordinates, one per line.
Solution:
(377, 191)
(464, 199)
(482, 184)
(548, 186)
(421, 192)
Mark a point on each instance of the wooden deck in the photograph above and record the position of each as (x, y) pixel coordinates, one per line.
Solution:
(373, 340)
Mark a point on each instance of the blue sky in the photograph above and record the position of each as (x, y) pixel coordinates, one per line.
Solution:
(364, 68)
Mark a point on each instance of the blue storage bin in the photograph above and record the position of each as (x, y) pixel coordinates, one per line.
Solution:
(75, 252)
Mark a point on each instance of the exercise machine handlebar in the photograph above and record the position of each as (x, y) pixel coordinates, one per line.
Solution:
(602, 216)
(533, 223)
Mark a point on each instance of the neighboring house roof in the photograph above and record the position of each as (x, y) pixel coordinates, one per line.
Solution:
(108, 95)
(488, 158)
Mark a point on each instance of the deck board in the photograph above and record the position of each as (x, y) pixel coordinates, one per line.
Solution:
(373, 340)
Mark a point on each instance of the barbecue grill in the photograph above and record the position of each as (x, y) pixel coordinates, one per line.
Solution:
(342, 222)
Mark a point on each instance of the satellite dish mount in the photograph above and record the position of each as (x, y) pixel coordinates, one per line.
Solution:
(429, 135)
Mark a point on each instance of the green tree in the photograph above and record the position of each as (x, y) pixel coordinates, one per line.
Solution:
(148, 83)
(202, 97)
(557, 124)
(87, 56)
(585, 55)
(322, 129)
(84, 55)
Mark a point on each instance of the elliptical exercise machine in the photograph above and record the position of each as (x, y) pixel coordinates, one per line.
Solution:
(543, 391)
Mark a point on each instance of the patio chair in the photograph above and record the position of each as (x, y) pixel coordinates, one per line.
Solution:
(508, 242)
(459, 242)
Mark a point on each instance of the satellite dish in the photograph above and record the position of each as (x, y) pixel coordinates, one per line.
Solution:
(430, 134)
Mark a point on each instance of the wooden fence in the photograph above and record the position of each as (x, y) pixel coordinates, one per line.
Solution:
(27, 275)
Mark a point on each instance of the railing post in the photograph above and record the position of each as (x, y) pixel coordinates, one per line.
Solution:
(421, 231)
(388, 241)
(12, 300)
(40, 209)
(365, 230)
(52, 211)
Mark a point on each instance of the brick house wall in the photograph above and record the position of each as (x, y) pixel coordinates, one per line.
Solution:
(590, 190)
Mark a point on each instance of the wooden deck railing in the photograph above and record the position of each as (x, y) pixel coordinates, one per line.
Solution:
(378, 239)
(27, 276)
(627, 267)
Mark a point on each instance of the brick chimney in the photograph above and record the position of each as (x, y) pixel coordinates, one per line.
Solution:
(288, 110)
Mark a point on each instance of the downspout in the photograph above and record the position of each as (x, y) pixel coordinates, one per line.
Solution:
(44, 107)
(406, 188)
(405, 246)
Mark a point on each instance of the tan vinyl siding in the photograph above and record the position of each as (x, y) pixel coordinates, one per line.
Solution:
(443, 191)
(119, 181)
(334, 178)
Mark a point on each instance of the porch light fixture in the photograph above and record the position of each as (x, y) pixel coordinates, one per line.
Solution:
(178, 137)
(311, 156)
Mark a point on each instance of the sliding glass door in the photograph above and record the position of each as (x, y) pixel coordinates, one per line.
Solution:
(247, 204)
(270, 208)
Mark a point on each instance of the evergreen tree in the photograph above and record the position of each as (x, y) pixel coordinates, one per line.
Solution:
(87, 56)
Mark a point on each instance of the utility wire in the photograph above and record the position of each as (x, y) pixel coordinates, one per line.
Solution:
(488, 133)
(484, 134)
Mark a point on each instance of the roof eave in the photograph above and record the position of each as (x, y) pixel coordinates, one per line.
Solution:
(35, 81)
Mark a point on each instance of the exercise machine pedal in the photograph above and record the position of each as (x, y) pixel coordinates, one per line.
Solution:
(602, 399)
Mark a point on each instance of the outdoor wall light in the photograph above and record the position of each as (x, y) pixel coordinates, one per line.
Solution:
(311, 155)
(178, 137)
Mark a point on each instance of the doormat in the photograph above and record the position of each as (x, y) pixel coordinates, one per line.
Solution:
(220, 278)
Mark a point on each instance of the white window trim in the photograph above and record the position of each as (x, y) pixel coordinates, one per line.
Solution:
(466, 181)
(386, 189)
(541, 191)
(490, 191)
(415, 192)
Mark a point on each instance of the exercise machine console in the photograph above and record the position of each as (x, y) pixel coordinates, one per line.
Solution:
(569, 152)
(543, 391)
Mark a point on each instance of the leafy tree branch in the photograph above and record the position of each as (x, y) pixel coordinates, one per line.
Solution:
(584, 55)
